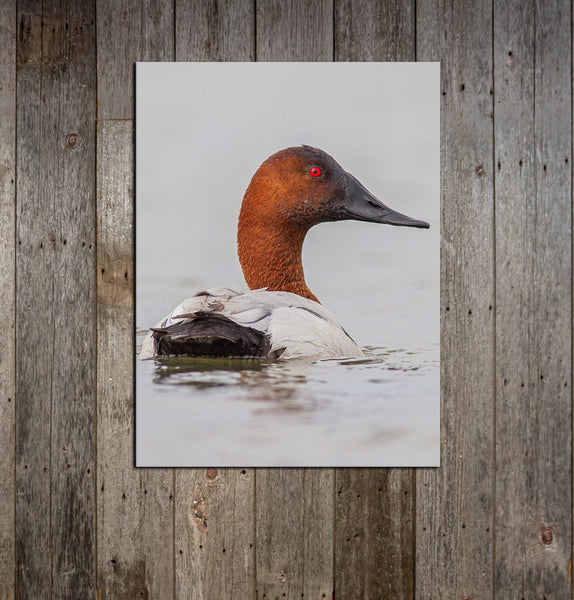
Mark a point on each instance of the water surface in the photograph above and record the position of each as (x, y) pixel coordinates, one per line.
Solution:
(370, 411)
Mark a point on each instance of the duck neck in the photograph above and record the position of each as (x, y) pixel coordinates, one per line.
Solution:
(270, 256)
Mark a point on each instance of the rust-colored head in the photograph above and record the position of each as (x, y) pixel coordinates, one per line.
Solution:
(291, 191)
(296, 187)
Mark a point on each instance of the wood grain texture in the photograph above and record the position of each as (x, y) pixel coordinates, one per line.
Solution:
(374, 539)
(135, 507)
(33, 383)
(455, 504)
(215, 30)
(533, 103)
(129, 31)
(295, 30)
(294, 536)
(494, 522)
(215, 545)
(382, 30)
(374, 523)
(294, 507)
(55, 300)
(7, 294)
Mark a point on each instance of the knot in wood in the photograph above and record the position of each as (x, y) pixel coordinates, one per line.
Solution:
(211, 473)
(546, 535)
(71, 140)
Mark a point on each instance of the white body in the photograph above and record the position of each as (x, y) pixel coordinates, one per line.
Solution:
(302, 327)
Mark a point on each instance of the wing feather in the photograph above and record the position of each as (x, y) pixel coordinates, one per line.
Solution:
(296, 326)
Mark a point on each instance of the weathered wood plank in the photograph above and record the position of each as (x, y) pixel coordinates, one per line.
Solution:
(381, 30)
(215, 554)
(215, 30)
(69, 38)
(374, 533)
(454, 533)
(135, 506)
(297, 30)
(533, 271)
(33, 264)
(374, 524)
(55, 300)
(294, 507)
(7, 294)
(214, 509)
(135, 552)
(294, 537)
(129, 31)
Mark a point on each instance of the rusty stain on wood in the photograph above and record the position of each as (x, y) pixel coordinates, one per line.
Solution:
(199, 515)
(115, 278)
(129, 581)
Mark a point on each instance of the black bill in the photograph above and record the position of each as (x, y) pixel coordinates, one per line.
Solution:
(361, 205)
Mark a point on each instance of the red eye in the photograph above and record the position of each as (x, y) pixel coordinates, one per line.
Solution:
(315, 172)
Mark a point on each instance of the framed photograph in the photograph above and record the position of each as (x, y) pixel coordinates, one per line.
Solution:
(287, 264)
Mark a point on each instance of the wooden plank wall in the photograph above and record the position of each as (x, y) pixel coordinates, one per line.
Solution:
(78, 521)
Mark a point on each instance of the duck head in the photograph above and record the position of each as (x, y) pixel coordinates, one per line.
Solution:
(291, 191)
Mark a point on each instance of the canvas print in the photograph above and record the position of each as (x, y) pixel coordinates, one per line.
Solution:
(287, 264)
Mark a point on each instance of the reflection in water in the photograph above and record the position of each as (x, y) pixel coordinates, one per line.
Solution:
(202, 372)
(264, 379)
(207, 372)
(376, 410)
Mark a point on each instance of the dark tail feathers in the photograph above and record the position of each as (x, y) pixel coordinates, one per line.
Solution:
(209, 334)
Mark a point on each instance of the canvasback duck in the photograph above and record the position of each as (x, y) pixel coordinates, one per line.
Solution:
(280, 317)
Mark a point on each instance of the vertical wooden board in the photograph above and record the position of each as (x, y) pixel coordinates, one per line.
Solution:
(69, 88)
(215, 555)
(382, 30)
(515, 158)
(374, 524)
(55, 300)
(454, 505)
(294, 507)
(7, 293)
(374, 533)
(129, 31)
(135, 506)
(214, 509)
(533, 299)
(550, 490)
(34, 319)
(297, 30)
(215, 30)
(294, 537)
